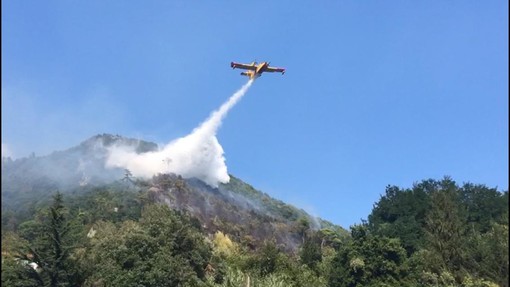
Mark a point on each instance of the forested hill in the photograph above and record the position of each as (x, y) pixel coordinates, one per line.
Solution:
(236, 208)
(77, 166)
(170, 231)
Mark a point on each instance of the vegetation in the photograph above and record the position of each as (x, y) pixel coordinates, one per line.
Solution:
(161, 233)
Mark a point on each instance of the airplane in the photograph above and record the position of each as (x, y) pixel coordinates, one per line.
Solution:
(255, 70)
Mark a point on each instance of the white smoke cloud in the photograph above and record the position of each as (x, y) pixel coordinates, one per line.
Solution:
(6, 151)
(198, 154)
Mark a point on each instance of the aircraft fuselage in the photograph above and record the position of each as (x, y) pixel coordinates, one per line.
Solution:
(261, 67)
(255, 70)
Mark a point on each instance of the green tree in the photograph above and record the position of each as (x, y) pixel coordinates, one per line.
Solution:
(494, 254)
(19, 274)
(162, 249)
(370, 260)
(55, 263)
(17, 271)
(330, 237)
(310, 253)
(445, 230)
(484, 206)
(401, 213)
(303, 227)
(267, 258)
(50, 246)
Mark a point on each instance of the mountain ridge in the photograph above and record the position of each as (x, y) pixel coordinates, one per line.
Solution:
(235, 208)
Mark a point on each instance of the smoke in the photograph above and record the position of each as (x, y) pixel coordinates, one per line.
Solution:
(6, 151)
(198, 154)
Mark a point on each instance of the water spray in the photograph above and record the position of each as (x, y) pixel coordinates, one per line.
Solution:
(198, 154)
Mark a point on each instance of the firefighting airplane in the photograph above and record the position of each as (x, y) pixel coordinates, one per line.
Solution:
(255, 70)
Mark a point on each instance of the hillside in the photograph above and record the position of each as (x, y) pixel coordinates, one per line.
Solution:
(236, 208)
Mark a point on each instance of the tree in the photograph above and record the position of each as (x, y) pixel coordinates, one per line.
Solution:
(55, 259)
(302, 227)
(162, 249)
(267, 258)
(369, 260)
(493, 248)
(223, 245)
(445, 230)
(128, 176)
(330, 237)
(483, 206)
(49, 247)
(401, 213)
(17, 271)
(310, 253)
(19, 274)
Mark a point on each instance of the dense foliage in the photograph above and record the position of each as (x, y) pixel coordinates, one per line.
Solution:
(446, 230)
(148, 233)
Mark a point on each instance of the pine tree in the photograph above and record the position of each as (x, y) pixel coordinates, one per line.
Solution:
(445, 227)
(51, 251)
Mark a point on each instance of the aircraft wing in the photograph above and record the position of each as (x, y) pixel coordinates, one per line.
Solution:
(274, 69)
(242, 66)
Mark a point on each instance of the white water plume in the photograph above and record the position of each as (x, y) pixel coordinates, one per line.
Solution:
(198, 154)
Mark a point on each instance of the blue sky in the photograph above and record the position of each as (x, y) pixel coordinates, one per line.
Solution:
(376, 93)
